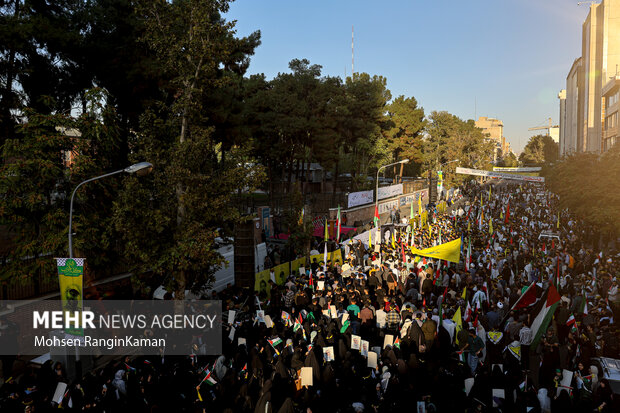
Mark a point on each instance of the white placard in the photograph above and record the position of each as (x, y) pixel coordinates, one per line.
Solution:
(360, 198)
(567, 377)
(320, 285)
(231, 336)
(241, 341)
(498, 394)
(372, 360)
(332, 311)
(469, 383)
(345, 317)
(268, 321)
(60, 392)
(421, 407)
(356, 342)
(260, 314)
(302, 270)
(328, 353)
(231, 316)
(388, 340)
(364, 348)
(306, 376)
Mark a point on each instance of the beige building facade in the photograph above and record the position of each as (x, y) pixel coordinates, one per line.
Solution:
(494, 130)
(600, 60)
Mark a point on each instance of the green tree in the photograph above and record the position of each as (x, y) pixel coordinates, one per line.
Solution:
(403, 132)
(508, 160)
(449, 138)
(174, 221)
(540, 149)
(33, 188)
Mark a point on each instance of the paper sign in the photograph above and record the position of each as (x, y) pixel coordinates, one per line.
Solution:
(328, 353)
(260, 314)
(320, 285)
(326, 313)
(231, 336)
(356, 342)
(268, 321)
(306, 376)
(345, 317)
(388, 340)
(421, 408)
(332, 311)
(302, 270)
(241, 341)
(567, 377)
(498, 394)
(364, 348)
(469, 383)
(372, 360)
(59, 393)
(231, 316)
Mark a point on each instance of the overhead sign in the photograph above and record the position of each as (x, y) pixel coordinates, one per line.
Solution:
(360, 198)
(390, 191)
(499, 175)
(517, 169)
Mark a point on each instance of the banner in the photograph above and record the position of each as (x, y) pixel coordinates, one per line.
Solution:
(296, 264)
(70, 274)
(261, 284)
(388, 206)
(390, 191)
(336, 256)
(500, 175)
(281, 272)
(517, 169)
(450, 251)
(360, 198)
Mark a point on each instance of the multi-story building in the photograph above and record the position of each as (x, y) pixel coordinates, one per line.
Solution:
(611, 93)
(600, 57)
(494, 130)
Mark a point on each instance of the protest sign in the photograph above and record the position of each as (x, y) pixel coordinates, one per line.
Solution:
(356, 342)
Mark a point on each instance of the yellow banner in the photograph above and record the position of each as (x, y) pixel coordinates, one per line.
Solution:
(261, 283)
(70, 273)
(450, 251)
(336, 256)
(281, 272)
(299, 262)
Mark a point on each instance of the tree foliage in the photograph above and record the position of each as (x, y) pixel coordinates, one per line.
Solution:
(540, 149)
(588, 186)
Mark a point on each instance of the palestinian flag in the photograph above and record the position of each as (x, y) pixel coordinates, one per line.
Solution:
(583, 307)
(274, 341)
(296, 326)
(543, 313)
(397, 342)
(468, 313)
(376, 218)
(528, 297)
(338, 221)
(208, 379)
(507, 213)
(244, 371)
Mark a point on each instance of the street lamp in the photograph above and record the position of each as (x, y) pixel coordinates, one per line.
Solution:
(140, 169)
(445, 163)
(377, 181)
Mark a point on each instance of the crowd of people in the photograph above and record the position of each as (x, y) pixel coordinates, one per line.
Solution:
(387, 330)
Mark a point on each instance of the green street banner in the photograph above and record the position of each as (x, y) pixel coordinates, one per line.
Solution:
(70, 273)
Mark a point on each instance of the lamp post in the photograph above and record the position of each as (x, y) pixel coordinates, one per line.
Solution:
(377, 181)
(141, 168)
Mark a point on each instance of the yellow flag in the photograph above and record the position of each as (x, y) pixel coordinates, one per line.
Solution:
(501, 215)
(458, 319)
(558, 224)
(393, 241)
(464, 295)
(370, 239)
(420, 204)
(450, 251)
(468, 225)
(491, 226)
(198, 391)
(489, 193)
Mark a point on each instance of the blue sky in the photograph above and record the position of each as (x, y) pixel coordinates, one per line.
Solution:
(506, 59)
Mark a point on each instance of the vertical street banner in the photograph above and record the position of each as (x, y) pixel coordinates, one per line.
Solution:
(70, 278)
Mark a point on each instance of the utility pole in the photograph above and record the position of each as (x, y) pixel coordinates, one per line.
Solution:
(352, 54)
